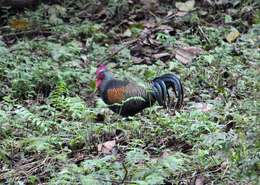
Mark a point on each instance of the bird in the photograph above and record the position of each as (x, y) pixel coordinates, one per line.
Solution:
(128, 98)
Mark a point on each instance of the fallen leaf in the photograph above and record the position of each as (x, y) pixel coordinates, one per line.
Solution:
(150, 4)
(170, 13)
(186, 54)
(137, 60)
(153, 41)
(194, 50)
(180, 14)
(232, 36)
(127, 33)
(183, 56)
(164, 28)
(186, 6)
(200, 180)
(203, 107)
(149, 24)
(161, 55)
(107, 147)
(78, 157)
(19, 24)
(203, 12)
(165, 154)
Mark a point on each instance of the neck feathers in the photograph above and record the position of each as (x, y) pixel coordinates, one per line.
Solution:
(108, 77)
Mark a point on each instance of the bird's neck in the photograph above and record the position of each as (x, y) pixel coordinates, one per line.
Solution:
(108, 77)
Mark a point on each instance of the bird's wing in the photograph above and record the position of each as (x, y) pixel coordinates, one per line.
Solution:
(121, 91)
(135, 92)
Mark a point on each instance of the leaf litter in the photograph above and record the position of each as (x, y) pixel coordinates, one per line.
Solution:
(140, 26)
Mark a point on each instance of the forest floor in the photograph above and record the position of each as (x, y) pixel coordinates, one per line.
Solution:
(54, 129)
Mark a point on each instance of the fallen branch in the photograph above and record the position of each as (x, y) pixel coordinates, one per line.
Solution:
(28, 32)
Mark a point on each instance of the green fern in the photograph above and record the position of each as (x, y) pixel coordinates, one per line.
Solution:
(72, 107)
(58, 96)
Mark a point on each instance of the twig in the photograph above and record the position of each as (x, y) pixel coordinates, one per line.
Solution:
(114, 181)
(203, 34)
(38, 166)
(126, 173)
(40, 32)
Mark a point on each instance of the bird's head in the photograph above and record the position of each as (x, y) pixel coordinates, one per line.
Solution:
(101, 74)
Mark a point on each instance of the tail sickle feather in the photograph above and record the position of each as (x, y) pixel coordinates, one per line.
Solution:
(161, 86)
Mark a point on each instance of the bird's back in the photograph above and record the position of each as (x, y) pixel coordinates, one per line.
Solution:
(126, 98)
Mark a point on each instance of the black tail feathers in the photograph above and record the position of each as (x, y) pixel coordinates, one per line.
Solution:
(161, 86)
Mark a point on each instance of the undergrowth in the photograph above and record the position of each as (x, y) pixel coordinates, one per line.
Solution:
(51, 121)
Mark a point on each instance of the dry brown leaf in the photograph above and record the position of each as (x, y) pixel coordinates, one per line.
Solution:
(107, 147)
(232, 36)
(194, 50)
(183, 56)
(19, 24)
(186, 54)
